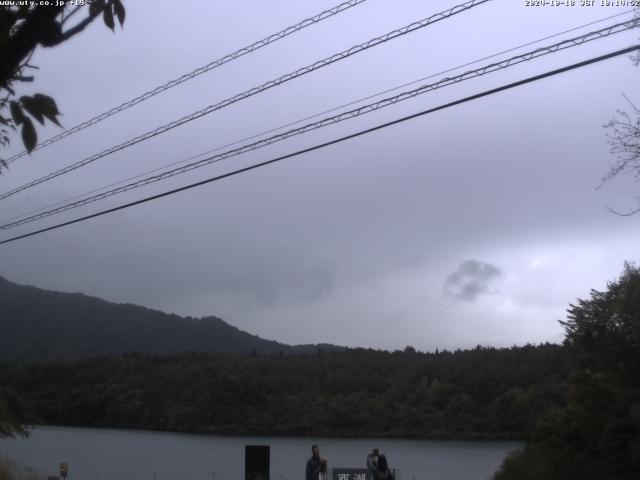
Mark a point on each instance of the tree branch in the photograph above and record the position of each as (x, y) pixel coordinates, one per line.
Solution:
(78, 27)
(38, 26)
(22, 78)
(67, 17)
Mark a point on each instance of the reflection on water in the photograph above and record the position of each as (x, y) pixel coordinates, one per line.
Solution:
(106, 454)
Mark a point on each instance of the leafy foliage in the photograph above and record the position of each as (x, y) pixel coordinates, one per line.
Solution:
(15, 414)
(23, 27)
(596, 433)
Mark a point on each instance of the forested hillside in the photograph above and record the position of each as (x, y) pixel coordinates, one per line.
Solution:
(479, 393)
(37, 324)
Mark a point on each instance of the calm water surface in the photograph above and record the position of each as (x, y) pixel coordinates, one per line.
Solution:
(105, 454)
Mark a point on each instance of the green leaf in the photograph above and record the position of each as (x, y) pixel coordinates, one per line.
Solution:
(29, 135)
(49, 103)
(118, 8)
(16, 113)
(107, 15)
(47, 107)
(33, 107)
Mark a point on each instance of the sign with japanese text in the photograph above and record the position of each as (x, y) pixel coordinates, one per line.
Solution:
(352, 474)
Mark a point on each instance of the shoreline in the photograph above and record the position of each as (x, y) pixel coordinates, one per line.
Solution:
(324, 435)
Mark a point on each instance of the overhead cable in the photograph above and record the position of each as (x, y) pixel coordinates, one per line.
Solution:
(295, 122)
(493, 67)
(198, 71)
(265, 86)
(486, 93)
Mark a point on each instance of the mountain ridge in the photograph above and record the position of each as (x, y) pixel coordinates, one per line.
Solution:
(38, 324)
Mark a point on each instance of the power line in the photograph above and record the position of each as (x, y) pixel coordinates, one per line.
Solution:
(265, 86)
(602, 33)
(198, 71)
(275, 129)
(335, 141)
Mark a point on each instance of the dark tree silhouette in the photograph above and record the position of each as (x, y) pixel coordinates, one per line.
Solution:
(596, 433)
(22, 30)
(15, 414)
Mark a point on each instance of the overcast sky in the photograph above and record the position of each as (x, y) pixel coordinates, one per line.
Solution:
(478, 224)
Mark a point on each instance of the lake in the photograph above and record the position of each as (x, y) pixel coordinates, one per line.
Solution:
(109, 454)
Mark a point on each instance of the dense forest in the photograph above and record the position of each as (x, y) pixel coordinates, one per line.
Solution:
(479, 393)
(71, 326)
(595, 434)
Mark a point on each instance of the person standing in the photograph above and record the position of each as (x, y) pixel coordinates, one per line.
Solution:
(313, 464)
(377, 465)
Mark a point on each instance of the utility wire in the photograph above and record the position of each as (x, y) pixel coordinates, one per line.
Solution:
(275, 129)
(335, 141)
(602, 33)
(265, 86)
(198, 71)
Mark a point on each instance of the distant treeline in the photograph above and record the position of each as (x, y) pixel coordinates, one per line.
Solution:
(478, 393)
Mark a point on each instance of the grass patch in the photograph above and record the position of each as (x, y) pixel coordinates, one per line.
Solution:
(10, 470)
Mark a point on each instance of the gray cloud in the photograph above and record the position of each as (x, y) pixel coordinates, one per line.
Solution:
(471, 279)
